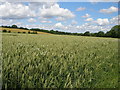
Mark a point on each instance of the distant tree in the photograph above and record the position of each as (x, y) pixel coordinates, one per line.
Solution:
(100, 34)
(87, 33)
(4, 30)
(34, 32)
(14, 26)
(23, 32)
(114, 32)
(26, 28)
(93, 34)
(28, 32)
(21, 28)
(9, 31)
(81, 34)
(35, 29)
(5, 26)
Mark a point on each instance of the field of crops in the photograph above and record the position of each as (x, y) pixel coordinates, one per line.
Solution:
(13, 30)
(49, 61)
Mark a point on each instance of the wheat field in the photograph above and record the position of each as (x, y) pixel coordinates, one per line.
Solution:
(59, 61)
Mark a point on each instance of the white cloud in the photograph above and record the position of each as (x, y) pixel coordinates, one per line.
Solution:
(9, 22)
(100, 24)
(18, 23)
(96, 1)
(74, 22)
(86, 15)
(110, 10)
(89, 19)
(38, 5)
(44, 10)
(6, 22)
(56, 11)
(60, 26)
(28, 0)
(60, 0)
(32, 26)
(52, 10)
(115, 20)
(42, 18)
(15, 10)
(92, 28)
(60, 19)
(101, 21)
(31, 20)
(45, 21)
(80, 9)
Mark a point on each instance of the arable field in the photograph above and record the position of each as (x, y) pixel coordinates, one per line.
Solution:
(13, 30)
(56, 61)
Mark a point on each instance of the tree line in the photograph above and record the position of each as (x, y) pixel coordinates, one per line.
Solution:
(29, 32)
(114, 32)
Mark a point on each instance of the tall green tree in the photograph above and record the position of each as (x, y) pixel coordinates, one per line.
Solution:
(100, 34)
(114, 32)
(87, 33)
(14, 26)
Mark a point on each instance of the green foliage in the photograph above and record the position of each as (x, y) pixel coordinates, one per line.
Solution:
(4, 30)
(87, 33)
(114, 32)
(50, 61)
(9, 31)
(14, 26)
(23, 32)
(100, 34)
(34, 32)
(28, 32)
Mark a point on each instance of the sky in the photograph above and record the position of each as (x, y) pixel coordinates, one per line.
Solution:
(62, 16)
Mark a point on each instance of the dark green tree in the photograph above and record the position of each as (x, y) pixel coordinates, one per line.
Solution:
(29, 32)
(4, 30)
(114, 32)
(100, 34)
(14, 26)
(87, 33)
(9, 31)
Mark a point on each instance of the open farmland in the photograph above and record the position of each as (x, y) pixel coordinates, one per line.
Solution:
(44, 61)
(16, 30)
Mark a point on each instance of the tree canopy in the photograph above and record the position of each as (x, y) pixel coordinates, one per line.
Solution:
(114, 32)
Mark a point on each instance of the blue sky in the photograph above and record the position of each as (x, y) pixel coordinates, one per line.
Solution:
(61, 16)
(92, 9)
